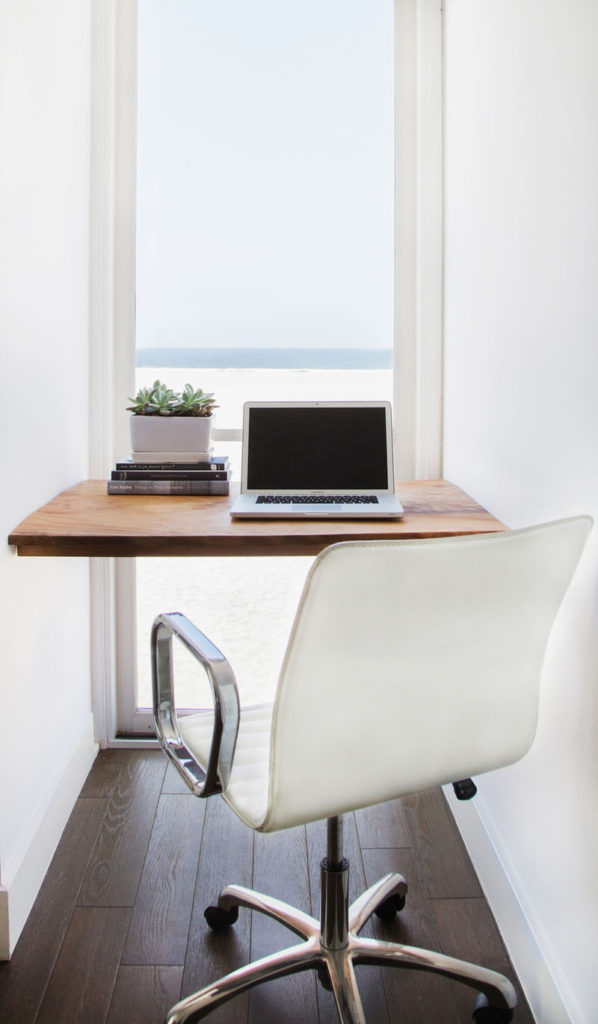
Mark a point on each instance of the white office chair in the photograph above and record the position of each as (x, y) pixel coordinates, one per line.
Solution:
(410, 664)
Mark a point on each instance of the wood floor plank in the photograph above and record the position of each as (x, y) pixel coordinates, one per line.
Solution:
(117, 862)
(467, 930)
(82, 982)
(173, 782)
(104, 773)
(442, 859)
(144, 995)
(24, 978)
(281, 869)
(383, 825)
(420, 997)
(160, 923)
(226, 857)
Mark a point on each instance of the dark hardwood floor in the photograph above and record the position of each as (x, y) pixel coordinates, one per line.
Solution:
(117, 933)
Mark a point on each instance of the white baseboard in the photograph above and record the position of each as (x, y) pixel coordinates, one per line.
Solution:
(543, 997)
(22, 879)
(4, 933)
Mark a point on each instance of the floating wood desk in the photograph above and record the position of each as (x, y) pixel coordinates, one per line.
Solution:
(86, 521)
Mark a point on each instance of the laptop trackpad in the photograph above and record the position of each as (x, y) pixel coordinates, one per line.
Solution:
(320, 509)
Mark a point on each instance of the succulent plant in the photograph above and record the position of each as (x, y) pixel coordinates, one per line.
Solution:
(195, 402)
(163, 400)
(140, 402)
(160, 400)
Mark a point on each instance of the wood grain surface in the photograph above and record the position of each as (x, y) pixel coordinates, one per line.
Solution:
(107, 964)
(85, 520)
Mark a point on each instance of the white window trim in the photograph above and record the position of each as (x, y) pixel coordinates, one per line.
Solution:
(419, 240)
(112, 326)
(419, 290)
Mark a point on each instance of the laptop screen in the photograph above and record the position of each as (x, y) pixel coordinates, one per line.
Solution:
(321, 446)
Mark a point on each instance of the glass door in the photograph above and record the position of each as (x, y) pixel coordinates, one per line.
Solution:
(265, 264)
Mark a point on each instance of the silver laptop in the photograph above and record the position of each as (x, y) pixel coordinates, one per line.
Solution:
(317, 459)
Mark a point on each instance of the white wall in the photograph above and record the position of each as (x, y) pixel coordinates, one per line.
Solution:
(46, 738)
(521, 427)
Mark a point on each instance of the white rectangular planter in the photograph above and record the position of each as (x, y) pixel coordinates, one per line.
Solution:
(170, 433)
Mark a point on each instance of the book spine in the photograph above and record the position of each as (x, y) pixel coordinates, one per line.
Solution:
(181, 487)
(169, 474)
(216, 464)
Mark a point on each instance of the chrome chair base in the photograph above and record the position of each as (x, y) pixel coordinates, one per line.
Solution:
(333, 948)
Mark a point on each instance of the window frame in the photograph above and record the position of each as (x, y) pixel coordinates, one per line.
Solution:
(418, 341)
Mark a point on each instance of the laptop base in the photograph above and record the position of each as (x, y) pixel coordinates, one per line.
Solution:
(388, 507)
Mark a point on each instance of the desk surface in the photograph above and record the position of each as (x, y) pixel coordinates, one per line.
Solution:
(85, 520)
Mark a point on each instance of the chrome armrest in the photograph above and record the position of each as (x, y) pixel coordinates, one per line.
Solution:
(212, 778)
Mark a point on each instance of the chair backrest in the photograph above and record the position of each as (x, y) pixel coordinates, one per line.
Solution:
(414, 663)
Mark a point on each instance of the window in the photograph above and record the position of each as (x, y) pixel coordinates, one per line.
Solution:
(265, 197)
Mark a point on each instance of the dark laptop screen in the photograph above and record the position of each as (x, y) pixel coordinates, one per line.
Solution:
(317, 448)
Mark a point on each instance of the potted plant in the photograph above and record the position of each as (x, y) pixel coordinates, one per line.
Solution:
(164, 420)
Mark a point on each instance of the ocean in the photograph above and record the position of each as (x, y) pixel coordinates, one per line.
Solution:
(268, 358)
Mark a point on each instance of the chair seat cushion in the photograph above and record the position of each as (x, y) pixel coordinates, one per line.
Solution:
(247, 791)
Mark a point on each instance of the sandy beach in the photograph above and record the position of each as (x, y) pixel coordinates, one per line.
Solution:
(234, 387)
(245, 605)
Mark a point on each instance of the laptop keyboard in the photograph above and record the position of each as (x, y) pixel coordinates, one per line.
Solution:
(317, 499)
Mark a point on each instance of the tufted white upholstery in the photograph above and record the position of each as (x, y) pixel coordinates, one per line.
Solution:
(247, 791)
(410, 663)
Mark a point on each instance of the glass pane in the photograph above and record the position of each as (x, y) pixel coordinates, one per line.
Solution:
(265, 186)
(265, 252)
(245, 605)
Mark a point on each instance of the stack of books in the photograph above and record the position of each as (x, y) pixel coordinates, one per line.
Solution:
(171, 473)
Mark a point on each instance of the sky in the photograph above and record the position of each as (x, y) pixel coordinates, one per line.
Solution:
(265, 207)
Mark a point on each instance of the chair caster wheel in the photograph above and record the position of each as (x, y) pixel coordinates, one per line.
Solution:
(486, 1014)
(324, 979)
(387, 910)
(219, 919)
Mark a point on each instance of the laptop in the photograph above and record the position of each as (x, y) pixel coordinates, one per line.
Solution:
(317, 459)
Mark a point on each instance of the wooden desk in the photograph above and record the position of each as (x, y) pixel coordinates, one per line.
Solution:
(85, 520)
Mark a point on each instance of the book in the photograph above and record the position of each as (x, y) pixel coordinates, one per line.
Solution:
(170, 474)
(202, 456)
(168, 487)
(219, 462)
